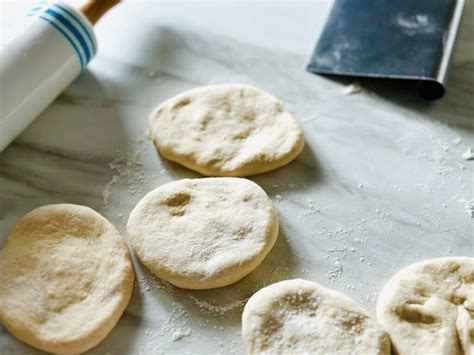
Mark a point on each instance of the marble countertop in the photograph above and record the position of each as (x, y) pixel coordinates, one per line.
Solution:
(381, 182)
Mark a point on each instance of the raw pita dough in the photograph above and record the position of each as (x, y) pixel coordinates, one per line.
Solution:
(226, 130)
(65, 278)
(428, 307)
(203, 233)
(302, 317)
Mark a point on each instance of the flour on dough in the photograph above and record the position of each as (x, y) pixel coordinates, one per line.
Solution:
(226, 130)
(302, 317)
(429, 307)
(203, 233)
(65, 278)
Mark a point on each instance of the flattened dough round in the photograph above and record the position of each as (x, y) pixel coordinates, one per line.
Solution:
(203, 233)
(303, 317)
(428, 307)
(226, 130)
(65, 278)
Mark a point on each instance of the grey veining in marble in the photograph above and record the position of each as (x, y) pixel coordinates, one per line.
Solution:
(380, 184)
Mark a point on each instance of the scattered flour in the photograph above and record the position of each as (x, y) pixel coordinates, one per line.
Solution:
(148, 282)
(220, 310)
(175, 327)
(128, 168)
(414, 24)
(336, 273)
(140, 139)
(426, 188)
(352, 89)
(177, 324)
(179, 334)
(312, 209)
(468, 206)
(468, 154)
(412, 21)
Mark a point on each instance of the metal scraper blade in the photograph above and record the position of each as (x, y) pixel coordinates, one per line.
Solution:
(390, 39)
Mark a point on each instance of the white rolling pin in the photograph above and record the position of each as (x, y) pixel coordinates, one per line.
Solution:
(42, 60)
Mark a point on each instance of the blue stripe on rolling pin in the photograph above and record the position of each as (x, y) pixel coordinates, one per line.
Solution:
(39, 6)
(34, 10)
(80, 22)
(73, 30)
(65, 36)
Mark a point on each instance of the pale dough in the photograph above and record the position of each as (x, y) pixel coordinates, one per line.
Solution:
(203, 233)
(226, 130)
(428, 307)
(65, 278)
(303, 317)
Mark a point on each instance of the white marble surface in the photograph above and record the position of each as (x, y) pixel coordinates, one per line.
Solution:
(380, 184)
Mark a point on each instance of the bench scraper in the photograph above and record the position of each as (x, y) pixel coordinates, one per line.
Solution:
(409, 40)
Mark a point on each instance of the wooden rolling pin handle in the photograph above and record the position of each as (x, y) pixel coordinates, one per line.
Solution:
(94, 9)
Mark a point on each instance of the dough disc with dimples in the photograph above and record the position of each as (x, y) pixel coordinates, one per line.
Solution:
(302, 317)
(65, 278)
(429, 307)
(226, 130)
(203, 233)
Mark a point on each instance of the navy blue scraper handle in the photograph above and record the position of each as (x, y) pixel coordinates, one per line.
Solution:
(390, 39)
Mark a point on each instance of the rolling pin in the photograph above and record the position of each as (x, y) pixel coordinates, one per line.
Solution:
(42, 60)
